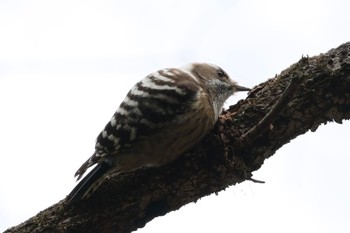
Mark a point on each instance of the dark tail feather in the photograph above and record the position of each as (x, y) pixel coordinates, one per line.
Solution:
(89, 183)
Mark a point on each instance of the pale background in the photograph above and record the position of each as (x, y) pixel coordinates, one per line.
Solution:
(66, 65)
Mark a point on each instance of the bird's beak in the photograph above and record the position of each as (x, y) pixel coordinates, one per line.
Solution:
(240, 88)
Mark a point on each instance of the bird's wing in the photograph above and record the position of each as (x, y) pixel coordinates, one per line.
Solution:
(155, 102)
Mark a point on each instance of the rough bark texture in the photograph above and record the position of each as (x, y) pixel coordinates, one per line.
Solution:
(320, 94)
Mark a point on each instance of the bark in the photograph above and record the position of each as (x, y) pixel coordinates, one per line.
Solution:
(311, 92)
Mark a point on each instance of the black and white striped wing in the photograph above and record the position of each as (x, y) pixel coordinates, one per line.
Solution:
(155, 102)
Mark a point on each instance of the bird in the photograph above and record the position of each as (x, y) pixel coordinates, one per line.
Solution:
(162, 116)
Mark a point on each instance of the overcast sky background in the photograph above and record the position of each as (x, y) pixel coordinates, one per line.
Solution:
(65, 66)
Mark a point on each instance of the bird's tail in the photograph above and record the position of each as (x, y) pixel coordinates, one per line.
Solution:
(89, 183)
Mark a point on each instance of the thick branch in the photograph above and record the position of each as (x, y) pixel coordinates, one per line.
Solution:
(128, 201)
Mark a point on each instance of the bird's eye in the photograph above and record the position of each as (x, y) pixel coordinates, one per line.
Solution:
(221, 74)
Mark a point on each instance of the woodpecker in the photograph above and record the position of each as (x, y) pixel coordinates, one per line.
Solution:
(162, 116)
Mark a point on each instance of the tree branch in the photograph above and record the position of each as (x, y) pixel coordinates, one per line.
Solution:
(272, 115)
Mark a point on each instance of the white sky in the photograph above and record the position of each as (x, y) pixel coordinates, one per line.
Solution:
(65, 66)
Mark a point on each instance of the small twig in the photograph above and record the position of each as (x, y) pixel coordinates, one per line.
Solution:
(264, 123)
(256, 181)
